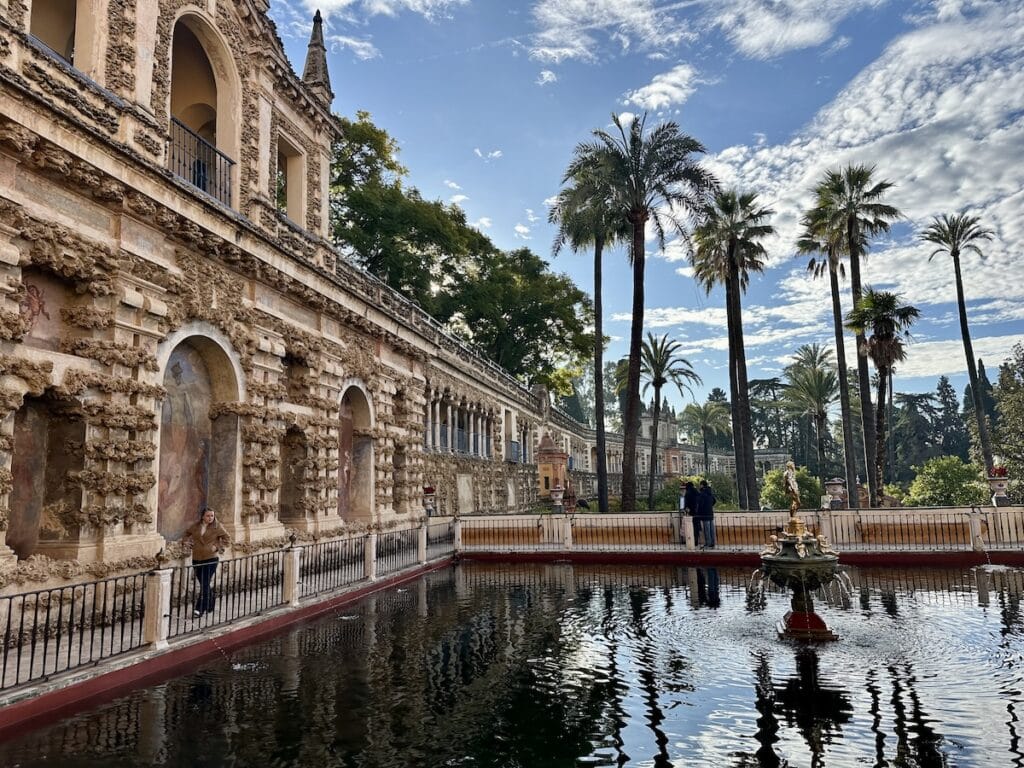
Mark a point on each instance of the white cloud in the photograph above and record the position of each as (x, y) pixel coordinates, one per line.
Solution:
(531, 216)
(575, 29)
(522, 232)
(487, 156)
(546, 77)
(458, 199)
(452, 185)
(362, 49)
(946, 358)
(484, 222)
(665, 90)
(550, 201)
(431, 9)
(764, 29)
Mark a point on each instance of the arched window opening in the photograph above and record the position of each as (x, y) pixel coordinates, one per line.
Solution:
(197, 151)
(291, 181)
(294, 453)
(355, 458)
(49, 446)
(198, 454)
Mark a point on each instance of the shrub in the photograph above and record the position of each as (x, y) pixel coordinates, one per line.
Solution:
(774, 496)
(946, 481)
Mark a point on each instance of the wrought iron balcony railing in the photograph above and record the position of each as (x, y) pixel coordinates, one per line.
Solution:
(197, 161)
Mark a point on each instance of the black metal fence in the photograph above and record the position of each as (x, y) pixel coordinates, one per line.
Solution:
(55, 630)
(197, 161)
(203, 597)
(397, 550)
(328, 565)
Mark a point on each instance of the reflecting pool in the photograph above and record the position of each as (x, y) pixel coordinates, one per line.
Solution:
(559, 665)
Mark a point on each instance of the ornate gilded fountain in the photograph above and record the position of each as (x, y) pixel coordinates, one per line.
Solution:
(798, 560)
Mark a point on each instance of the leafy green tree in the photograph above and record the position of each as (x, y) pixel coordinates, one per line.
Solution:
(712, 418)
(849, 206)
(946, 481)
(812, 386)
(914, 434)
(716, 441)
(951, 432)
(522, 316)
(586, 219)
(818, 238)
(661, 364)
(728, 249)
(774, 495)
(1009, 432)
(953, 235)
(656, 180)
(766, 412)
(889, 321)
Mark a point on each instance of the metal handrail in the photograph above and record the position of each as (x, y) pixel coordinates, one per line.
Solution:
(200, 163)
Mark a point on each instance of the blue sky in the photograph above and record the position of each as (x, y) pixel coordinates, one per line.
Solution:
(488, 99)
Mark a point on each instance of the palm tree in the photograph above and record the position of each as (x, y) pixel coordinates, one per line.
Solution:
(816, 239)
(661, 365)
(654, 178)
(812, 387)
(585, 219)
(889, 321)
(712, 418)
(849, 204)
(953, 235)
(728, 248)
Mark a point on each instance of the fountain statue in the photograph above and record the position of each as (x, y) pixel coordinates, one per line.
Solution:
(799, 560)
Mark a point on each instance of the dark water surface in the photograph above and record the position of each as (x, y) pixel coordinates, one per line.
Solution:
(538, 666)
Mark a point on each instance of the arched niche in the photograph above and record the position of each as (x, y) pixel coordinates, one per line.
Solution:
(355, 456)
(199, 450)
(294, 453)
(49, 445)
(205, 98)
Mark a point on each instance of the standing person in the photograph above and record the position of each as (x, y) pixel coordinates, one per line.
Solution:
(706, 514)
(208, 539)
(690, 505)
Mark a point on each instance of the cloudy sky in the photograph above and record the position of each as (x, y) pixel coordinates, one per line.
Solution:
(488, 99)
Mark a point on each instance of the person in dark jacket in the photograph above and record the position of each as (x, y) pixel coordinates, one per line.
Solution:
(208, 539)
(705, 515)
(690, 505)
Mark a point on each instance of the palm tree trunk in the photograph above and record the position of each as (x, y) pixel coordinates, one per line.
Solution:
(849, 459)
(863, 374)
(734, 399)
(742, 388)
(876, 490)
(632, 426)
(602, 458)
(972, 369)
(819, 423)
(707, 460)
(654, 447)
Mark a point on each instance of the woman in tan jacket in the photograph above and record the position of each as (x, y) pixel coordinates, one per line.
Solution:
(208, 539)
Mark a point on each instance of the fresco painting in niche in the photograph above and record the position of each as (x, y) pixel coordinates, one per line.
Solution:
(346, 461)
(40, 307)
(185, 441)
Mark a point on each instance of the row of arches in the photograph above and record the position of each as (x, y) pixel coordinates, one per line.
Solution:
(199, 451)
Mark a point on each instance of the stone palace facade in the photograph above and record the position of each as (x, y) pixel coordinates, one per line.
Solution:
(176, 330)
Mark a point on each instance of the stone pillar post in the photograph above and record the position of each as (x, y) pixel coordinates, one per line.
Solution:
(457, 525)
(421, 549)
(472, 431)
(436, 405)
(567, 532)
(158, 608)
(689, 540)
(370, 557)
(290, 586)
(451, 430)
(825, 524)
(977, 541)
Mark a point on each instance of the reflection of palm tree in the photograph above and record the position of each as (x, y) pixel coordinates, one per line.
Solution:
(815, 710)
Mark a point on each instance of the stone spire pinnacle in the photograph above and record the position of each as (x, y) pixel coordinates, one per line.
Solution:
(315, 75)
